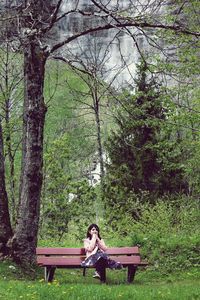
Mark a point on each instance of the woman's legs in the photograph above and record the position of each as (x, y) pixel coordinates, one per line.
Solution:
(112, 264)
(101, 268)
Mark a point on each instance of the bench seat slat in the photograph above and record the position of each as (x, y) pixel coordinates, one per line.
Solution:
(76, 261)
(59, 260)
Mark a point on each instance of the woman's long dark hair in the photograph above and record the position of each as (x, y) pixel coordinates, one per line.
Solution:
(90, 227)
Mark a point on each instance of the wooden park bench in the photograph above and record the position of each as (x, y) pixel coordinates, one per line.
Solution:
(52, 258)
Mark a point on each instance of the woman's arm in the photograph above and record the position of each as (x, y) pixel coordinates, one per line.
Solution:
(102, 244)
(89, 245)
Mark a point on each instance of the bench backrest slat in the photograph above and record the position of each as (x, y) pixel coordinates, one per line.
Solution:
(81, 251)
(60, 251)
(123, 251)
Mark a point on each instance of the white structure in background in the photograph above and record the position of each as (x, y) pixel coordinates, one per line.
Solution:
(71, 197)
(94, 172)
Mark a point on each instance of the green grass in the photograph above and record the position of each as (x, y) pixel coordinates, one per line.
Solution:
(70, 284)
(28, 290)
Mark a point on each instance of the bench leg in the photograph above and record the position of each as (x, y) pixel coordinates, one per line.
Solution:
(131, 273)
(49, 273)
(84, 271)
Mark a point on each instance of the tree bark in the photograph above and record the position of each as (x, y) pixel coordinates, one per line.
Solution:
(99, 142)
(98, 127)
(11, 158)
(24, 241)
(5, 225)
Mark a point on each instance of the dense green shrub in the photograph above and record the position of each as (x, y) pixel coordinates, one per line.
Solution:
(168, 232)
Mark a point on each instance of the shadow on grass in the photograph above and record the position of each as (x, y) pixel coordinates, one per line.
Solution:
(113, 277)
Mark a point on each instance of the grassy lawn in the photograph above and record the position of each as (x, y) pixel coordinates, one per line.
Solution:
(70, 284)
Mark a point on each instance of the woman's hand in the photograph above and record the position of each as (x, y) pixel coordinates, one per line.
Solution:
(94, 236)
(101, 244)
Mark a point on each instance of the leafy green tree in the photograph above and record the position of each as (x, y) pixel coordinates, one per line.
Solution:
(5, 229)
(56, 188)
(66, 196)
(82, 207)
(188, 122)
(11, 80)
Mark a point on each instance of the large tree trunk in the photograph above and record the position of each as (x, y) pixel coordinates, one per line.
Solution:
(5, 226)
(24, 241)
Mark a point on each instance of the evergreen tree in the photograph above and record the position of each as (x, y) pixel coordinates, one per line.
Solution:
(139, 158)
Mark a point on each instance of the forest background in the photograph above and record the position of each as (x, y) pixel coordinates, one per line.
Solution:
(144, 136)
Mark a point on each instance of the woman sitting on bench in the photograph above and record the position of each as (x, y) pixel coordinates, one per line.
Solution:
(95, 253)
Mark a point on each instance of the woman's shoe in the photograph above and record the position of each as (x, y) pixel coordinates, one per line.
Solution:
(96, 275)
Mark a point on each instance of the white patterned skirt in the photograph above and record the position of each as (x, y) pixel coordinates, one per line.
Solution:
(93, 260)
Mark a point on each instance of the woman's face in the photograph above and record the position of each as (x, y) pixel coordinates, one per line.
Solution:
(93, 231)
